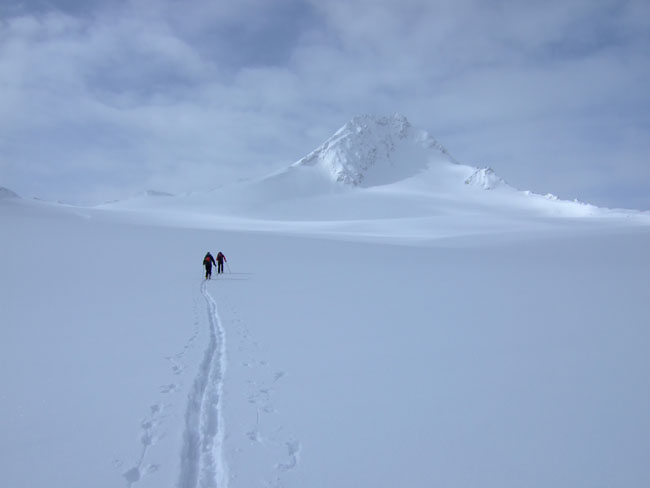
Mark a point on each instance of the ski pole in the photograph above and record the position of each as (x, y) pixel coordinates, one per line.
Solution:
(228, 267)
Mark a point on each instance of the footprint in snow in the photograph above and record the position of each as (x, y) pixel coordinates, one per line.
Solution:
(135, 474)
(254, 436)
(293, 451)
(171, 388)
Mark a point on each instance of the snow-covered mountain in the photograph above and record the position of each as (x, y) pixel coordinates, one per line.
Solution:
(371, 152)
(376, 168)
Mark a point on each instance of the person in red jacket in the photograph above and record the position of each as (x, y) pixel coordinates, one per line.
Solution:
(220, 259)
(208, 261)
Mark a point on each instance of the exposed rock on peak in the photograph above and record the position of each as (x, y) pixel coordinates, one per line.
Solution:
(371, 150)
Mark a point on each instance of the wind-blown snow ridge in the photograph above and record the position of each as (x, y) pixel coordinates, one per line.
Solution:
(370, 143)
(202, 458)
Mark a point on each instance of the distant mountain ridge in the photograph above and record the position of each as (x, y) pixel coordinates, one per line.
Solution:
(7, 193)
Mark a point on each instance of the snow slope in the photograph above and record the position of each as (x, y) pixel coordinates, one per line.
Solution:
(511, 360)
(402, 328)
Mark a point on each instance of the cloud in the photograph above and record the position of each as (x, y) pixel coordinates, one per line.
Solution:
(109, 98)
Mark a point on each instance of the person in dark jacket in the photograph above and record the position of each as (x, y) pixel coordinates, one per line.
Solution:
(208, 261)
(220, 259)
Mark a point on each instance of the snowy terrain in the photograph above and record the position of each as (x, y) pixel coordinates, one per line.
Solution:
(388, 317)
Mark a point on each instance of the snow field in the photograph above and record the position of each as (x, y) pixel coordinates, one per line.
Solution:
(480, 345)
(99, 350)
(486, 363)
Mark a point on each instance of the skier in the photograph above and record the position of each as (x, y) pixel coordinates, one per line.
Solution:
(208, 261)
(220, 259)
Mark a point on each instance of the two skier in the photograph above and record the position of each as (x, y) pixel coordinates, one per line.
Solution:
(208, 262)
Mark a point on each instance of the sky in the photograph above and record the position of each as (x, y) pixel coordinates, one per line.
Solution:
(102, 99)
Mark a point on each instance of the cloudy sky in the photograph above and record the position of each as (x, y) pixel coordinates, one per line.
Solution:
(101, 99)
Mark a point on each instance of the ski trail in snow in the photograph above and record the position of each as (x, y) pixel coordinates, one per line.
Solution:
(202, 457)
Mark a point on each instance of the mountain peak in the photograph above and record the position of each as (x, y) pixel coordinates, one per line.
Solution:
(396, 123)
(372, 150)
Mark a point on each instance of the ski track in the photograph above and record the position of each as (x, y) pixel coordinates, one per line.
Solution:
(202, 456)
